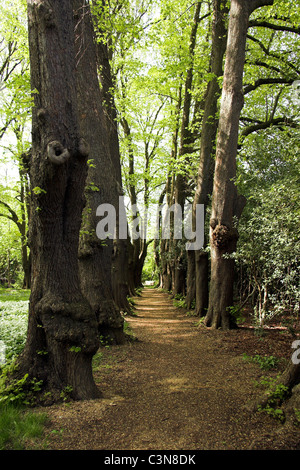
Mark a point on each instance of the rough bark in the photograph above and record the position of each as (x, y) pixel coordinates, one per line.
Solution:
(95, 255)
(208, 141)
(62, 329)
(138, 245)
(166, 245)
(186, 140)
(227, 206)
(190, 279)
(290, 378)
(120, 272)
(157, 254)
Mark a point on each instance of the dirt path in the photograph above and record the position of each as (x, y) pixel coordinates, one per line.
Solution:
(178, 387)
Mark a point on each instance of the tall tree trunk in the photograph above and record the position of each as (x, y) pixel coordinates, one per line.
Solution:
(208, 141)
(120, 268)
(185, 143)
(227, 206)
(62, 330)
(166, 245)
(157, 255)
(23, 225)
(95, 255)
(190, 279)
(138, 249)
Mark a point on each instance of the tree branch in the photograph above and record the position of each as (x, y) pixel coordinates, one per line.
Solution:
(254, 4)
(272, 54)
(267, 81)
(13, 215)
(265, 125)
(260, 63)
(276, 27)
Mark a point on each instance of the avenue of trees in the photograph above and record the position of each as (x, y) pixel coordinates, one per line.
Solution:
(143, 104)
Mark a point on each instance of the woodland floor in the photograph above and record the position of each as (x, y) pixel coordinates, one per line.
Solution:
(179, 386)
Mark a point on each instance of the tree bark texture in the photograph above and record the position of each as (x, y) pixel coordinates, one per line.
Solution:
(95, 256)
(180, 268)
(208, 142)
(167, 245)
(62, 330)
(226, 205)
(120, 270)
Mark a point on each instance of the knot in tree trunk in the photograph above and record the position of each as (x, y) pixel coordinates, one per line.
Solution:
(222, 236)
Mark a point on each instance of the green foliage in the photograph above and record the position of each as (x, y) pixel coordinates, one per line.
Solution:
(148, 46)
(97, 359)
(18, 426)
(264, 362)
(10, 251)
(275, 413)
(75, 349)
(131, 301)
(275, 398)
(14, 295)
(150, 269)
(105, 341)
(297, 415)
(38, 191)
(128, 331)
(15, 110)
(236, 313)
(179, 301)
(276, 393)
(18, 392)
(279, 393)
(269, 245)
(13, 327)
(66, 393)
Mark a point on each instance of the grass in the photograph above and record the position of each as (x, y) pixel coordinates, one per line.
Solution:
(14, 295)
(18, 427)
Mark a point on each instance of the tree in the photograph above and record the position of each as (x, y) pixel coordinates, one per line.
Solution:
(227, 206)
(186, 141)
(199, 259)
(62, 329)
(15, 103)
(121, 285)
(120, 28)
(95, 255)
(184, 52)
(19, 217)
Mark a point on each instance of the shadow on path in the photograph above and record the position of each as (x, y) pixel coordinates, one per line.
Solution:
(176, 388)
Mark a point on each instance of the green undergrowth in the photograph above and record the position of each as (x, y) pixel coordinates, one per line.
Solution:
(264, 362)
(14, 295)
(129, 332)
(276, 393)
(19, 427)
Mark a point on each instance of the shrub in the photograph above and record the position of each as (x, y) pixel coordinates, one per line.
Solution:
(264, 362)
(13, 327)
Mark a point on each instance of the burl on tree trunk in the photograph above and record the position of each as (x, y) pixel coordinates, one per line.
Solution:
(62, 331)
